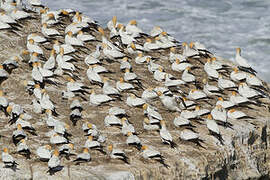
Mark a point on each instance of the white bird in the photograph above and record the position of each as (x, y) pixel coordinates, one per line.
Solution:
(225, 104)
(134, 101)
(169, 102)
(211, 72)
(3, 103)
(133, 140)
(8, 159)
(98, 99)
(117, 154)
(85, 37)
(210, 90)
(235, 114)
(112, 23)
(195, 94)
(149, 153)
(213, 128)
(37, 38)
(132, 29)
(174, 56)
(151, 124)
(220, 114)
(83, 157)
(151, 112)
(47, 32)
(180, 121)
(70, 39)
(243, 64)
(50, 63)
(246, 91)
(127, 127)
(225, 83)
(125, 64)
(18, 14)
(57, 139)
(188, 51)
(239, 100)
(188, 135)
(54, 163)
(112, 120)
(159, 75)
(93, 76)
(179, 67)
(152, 67)
(32, 47)
(156, 31)
(201, 112)
(188, 77)
(237, 76)
(254, 81)
(18, 134)
(110, 90)
(23, 149)
(44, 152)
(92, 144)
(121, 85)
(165, 135)
(119, 112)
(149, 94)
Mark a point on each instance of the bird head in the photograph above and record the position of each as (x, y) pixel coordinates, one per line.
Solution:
(56, 42)
(101, 31)
(71, 146)
(220, 99)
(37, 86)
(148, 40)
(121, 80)
(48, 111)
(213, 59)
(42, 11)
(114, 20)
(193, 90)
(105, 79)
(52, 52)
(56, 153)
(19, 126)
(1, 93)
(90, 125)
(9, 109)
(148, 59)
(191, 44)
(238, 51)
(231, 110)
(70, 79)
(92, 91)
(209, 60)
(120, 26)
(90, 138)
(5, 150)
(125, 59)
(25, 52)
(31, 41)
(160, 69)
(132, 45)
(129, 133)
(177, 61)
(184, 44)
(233, 93)
(235, 70)
(123, 120)
(69, 33)
(85, 150)
(110, 147)
(204, 81)
(64, 12)
(218, 106)
(164, 33)
(48, 147)
(159, 93)
(157, 38)
(197, 108)
(44, 25)
(67, 126)
(145, 106)
(144, 147)
(172, 49)
(22, 141)
(127, 70)
(1, 66)
(188, 68)
(62, 50)
(162, 122)
(209, 117)
(133, 22)
(140, 54)
(146, 120)
(51, 16)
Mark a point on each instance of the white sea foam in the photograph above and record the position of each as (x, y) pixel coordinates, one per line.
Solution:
(221, 25)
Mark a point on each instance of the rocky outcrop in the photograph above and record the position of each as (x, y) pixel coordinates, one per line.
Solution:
(244, 155)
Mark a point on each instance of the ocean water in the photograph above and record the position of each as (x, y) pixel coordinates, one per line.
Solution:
(221, 25)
